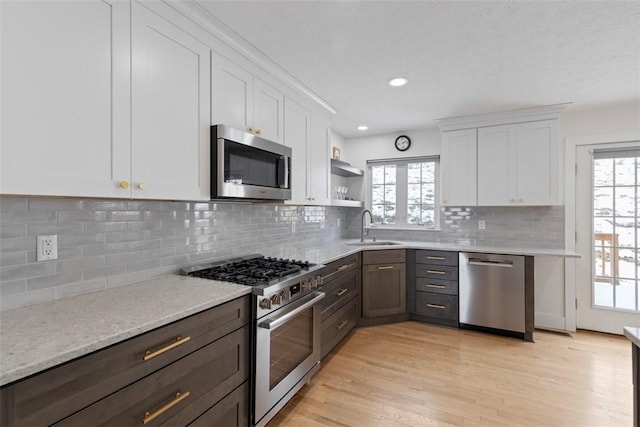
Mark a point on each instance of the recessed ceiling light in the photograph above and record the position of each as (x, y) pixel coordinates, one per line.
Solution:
(398, 81)
(363, 127)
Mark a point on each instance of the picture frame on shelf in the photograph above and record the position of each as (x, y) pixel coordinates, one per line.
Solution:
(336, 153)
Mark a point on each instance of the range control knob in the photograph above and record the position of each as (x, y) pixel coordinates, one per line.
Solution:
(285, 296)
(275, 299)
(316, 281)
(265, 304)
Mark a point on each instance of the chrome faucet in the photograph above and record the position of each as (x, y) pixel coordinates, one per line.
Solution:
(362, 224)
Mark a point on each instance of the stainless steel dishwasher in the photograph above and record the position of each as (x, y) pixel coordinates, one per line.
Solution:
(492, 297)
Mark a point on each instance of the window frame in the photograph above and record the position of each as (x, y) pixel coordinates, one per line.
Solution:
(402, 192)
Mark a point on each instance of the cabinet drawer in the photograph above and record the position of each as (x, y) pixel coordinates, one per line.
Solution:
(61, 391)
(442, 272)
(437, 257)
(233, 410)
(438, 286)
(336, 327)
(178, 394)
(384, 256)
(339, 267)
(338, 292)
(437, 305)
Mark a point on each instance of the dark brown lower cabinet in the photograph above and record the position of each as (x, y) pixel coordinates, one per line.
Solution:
(204, 376)
(384, 292)
(340, 307)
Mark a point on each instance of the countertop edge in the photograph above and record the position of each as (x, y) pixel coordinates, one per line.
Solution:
(633, 334)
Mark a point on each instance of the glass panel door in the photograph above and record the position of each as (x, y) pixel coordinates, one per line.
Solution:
(291, 344)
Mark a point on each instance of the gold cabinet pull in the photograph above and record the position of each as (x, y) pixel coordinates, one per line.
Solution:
(436, 272)
(124, 184)
(342, 292)
(151, 354)
(342, 324)
(150, 416)
(252, 129)
(520, 200)
(435, 286)
(344, 267)
(142, 186)
(259, 131)
(438, 306)
(439, 258)
(385, 267)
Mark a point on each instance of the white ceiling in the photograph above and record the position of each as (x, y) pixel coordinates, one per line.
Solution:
(461, 57)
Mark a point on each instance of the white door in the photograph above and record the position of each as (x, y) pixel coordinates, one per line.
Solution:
(65, 98)
(170, 110)
(268, 111)
(607, 225)
(318, 153)
(497, 165)
(231, 94)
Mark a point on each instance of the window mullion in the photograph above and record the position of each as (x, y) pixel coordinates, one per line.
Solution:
(401, 194)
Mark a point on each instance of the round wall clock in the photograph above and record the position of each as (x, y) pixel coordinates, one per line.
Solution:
(403, 143)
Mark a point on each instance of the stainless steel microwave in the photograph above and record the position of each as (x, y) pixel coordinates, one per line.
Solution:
(247, 166)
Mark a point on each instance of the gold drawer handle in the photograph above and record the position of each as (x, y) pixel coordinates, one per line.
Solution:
(148, 416)
(385, 267)
(435, 286)
(438, 306)
(344, 267)
(151, 354)
(342, 292)
(342, 324)
(439, 258)
(436, 272)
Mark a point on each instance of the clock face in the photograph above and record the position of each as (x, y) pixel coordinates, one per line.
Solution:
(403, 143)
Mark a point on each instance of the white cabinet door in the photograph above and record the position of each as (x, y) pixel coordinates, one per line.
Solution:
(538, 163)
(458, 163)
(319, 168)
(231, 94)
(296, 135)
(170, 110)
(268, 110)
(497, 176)
(65, 98)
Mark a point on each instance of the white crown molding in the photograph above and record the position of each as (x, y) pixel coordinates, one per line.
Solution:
(198, 14)
(544, 112)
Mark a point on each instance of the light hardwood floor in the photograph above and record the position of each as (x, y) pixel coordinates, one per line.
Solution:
(412, 374)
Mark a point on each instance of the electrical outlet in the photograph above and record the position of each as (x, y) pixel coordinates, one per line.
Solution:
(481, 224)
(46, 247)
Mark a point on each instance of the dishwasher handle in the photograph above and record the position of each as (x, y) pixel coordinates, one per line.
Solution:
(489, 263)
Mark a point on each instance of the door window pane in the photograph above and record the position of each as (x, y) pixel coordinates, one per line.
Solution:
(616, 236)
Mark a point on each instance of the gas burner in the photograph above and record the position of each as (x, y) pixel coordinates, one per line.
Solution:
(253, 270)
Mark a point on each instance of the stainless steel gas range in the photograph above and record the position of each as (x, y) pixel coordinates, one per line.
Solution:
(286, 327)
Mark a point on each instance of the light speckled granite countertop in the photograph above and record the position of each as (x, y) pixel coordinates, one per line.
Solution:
(41, 336)
(633, 334)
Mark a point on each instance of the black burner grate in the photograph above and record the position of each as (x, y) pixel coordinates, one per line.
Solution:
(254, 271)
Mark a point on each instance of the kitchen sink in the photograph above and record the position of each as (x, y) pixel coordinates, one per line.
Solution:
(370, 243)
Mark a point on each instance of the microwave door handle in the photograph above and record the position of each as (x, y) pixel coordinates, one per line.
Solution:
(283, 172)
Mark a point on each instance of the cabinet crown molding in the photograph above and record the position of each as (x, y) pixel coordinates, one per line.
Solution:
(529, 114)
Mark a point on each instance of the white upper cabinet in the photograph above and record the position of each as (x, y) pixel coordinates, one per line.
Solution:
(458, 168)
(508, 158)
(297, 134)
(241, 100)
(518, 164)
(319, 175)
(170, 110)
(65, 98)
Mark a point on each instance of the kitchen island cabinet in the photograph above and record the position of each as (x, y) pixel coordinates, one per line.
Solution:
(175, 374)
(384, 295)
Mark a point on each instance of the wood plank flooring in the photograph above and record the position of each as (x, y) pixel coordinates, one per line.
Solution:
(412, 374)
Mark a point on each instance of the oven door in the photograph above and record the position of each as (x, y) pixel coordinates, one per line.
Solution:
(287, 350)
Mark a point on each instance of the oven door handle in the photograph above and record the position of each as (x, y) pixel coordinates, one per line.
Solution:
(279, 321)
